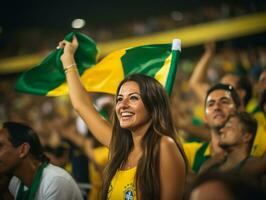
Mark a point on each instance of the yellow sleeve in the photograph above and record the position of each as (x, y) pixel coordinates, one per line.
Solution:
(259, 144)
(191, 149)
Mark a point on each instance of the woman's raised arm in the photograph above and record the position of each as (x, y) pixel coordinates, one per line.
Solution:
(81, 100)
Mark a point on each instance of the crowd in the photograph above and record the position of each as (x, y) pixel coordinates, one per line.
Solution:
(218, 111)
(206, 141)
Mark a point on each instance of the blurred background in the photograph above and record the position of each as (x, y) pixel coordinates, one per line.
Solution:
(29, 30)
(31, 27)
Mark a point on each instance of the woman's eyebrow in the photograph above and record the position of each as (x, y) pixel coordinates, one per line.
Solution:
(130, 94)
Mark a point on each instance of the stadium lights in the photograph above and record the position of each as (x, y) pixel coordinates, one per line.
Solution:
(177, 16)
(78, 23)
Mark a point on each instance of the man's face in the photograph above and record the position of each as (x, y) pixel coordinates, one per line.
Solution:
(219, 105)
(9, 155)
(231, 135)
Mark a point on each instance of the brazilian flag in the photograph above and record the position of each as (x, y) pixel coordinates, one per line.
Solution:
(48, 78)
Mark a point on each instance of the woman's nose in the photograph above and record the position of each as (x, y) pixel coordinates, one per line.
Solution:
(124, 102)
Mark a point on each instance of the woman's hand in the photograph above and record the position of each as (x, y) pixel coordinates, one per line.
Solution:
(69, 49)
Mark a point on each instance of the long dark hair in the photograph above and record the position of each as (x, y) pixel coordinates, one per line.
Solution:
(147, 177)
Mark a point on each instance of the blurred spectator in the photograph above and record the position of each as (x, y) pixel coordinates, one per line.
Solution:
(220, 102)
(58, 155)
(236, 139)
(33, 177)
(228, 186)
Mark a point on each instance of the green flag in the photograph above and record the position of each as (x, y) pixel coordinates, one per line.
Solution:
(49, 74)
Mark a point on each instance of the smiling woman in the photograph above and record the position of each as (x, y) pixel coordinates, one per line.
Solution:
(146, 158)
(130, 109)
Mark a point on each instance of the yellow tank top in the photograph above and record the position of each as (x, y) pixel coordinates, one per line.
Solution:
(123, 185)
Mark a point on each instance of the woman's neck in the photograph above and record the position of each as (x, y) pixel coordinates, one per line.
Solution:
(136, 153)
(139, 132)
(132, 159)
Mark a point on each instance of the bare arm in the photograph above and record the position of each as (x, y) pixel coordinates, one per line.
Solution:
(183, 121)
(80, 99)
(172, 170)
(197, 80)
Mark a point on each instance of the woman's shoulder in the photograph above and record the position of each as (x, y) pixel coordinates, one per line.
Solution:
(166, 140)
(168, 144)
(169, 147)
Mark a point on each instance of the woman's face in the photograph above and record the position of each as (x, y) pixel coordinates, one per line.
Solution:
(130, 109)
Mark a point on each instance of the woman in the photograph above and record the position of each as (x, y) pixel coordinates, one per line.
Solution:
(146, 161)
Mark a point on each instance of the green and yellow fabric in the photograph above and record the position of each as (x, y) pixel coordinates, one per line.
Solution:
(49, 74)
(259, 144)
(48, 78)
(197, 153)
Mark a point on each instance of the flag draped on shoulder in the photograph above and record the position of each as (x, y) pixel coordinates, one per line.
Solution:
(156, 60)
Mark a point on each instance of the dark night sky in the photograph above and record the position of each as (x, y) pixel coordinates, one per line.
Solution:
(57, 13)
(18, 16)
(50, 13)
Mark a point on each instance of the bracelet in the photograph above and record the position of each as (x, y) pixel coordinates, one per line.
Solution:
(69, 66)
(70, 69)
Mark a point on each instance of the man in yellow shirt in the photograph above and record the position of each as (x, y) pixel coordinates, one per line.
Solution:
(221, 101)
(198, 152)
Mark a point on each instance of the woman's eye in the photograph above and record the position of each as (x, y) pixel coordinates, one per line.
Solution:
(118, 99)
(134, 98)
